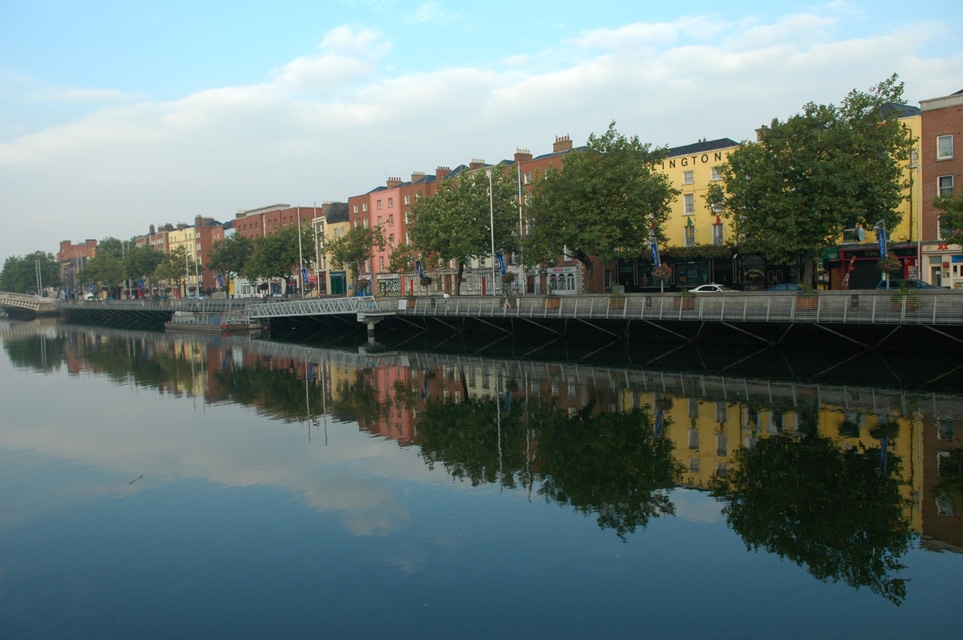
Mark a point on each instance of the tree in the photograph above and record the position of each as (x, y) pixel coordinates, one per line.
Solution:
(355, 246)
(141, 262)
(829, 168)
(104, 271)
(278, 255)
(603, 202)
(175, 267)
(110, 246)
(19, 275)
(455, 223)
(230, 255)
(951, 220)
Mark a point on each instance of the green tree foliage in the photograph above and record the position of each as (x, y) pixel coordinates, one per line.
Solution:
(355, 247)
(600, 203)
(104, 271)
(951, 220)
(277, 255)
(174, 269)
(827, 169)
(19, 274)
(838, 513)
(111, 246)
(455, 222)
(230, 256)
(140, 262)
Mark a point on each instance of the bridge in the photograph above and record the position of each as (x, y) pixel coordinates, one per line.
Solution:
(865, 318)
(23, 302)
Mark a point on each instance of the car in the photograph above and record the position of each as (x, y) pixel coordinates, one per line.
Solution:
(786, 286)
(711, 287)
(907, 283)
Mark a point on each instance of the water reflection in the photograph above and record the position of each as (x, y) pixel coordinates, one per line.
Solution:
(838, 479)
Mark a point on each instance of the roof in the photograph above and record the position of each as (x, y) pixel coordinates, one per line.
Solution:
(336, 212)
(702, 147)
(901, 110)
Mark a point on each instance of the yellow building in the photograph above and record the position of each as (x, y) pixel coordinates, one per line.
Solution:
(691, 169)
(694, 222)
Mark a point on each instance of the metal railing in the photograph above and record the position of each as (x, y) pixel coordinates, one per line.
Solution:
(843, 307)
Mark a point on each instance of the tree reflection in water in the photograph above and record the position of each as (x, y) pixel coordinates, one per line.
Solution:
(837, 512)
(609, 464)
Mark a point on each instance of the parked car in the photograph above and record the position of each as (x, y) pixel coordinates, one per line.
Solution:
(786, 286)
(908, 283)
(710, 288)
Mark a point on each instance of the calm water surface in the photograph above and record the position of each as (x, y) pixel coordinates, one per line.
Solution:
(153, 486)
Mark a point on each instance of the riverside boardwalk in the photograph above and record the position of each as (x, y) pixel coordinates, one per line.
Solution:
(928, 318)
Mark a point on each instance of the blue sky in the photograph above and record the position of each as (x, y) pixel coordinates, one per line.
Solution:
(117, 115)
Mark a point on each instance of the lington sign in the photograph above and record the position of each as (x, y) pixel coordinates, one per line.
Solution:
(696, 159)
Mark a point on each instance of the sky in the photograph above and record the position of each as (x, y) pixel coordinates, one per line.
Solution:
(118, 115)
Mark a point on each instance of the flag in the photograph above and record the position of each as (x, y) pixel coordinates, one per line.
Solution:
(220, 280)
(882, 244)
(304, 274)
(421, 274)
(654, 245)
(501, 262)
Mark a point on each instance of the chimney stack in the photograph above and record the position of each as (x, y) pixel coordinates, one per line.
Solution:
(476, 164)
(522, 155)
(442, 172)
(394, 183)
(417, 176)
(562, 143)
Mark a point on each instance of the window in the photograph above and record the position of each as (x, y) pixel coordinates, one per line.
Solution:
(690, 236)
(944, 147)
(407, 217)
(379, 220)
(391, 239)
(717, 234)
(716, 173)
(408, 199)
(365, 221)
(688, 201)
(354, 209)
(391, 202)
(527, 179)
(688, 177)
(364, 207)
(391, 220)
(379, 204)
(945, 185)
(716, 207)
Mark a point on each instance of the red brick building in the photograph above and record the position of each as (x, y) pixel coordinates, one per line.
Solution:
(72, 258)
(941, 151)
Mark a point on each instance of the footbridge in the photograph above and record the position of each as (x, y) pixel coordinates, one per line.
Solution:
(22, 302)
(864, 318)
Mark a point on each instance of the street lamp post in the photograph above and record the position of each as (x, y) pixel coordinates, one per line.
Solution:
(491, 213)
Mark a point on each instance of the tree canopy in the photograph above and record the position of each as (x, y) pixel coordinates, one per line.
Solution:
(230, 255)
(951, 220)
(602, 203)
(355, 246)
(19, 274)
(455, 222)
(829, 168)
(277, 255)
(103, 271)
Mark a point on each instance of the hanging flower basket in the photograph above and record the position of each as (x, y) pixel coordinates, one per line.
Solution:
(662, 272)
(890, 264)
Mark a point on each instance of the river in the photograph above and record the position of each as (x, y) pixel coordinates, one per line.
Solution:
(171, 487)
